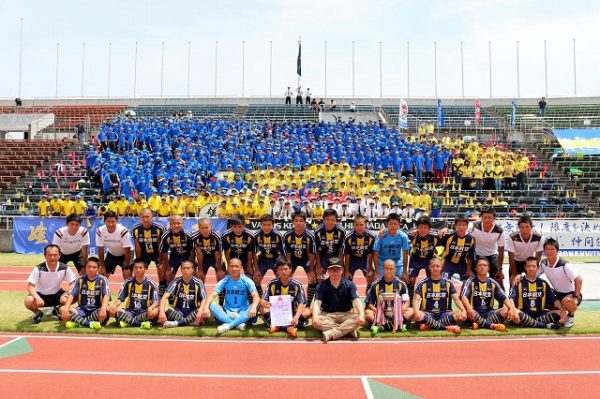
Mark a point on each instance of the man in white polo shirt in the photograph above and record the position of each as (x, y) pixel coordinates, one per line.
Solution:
(43, 284)
(117, 240)
(521, 245)
(564, 277)
(73, 241)
(490, 240)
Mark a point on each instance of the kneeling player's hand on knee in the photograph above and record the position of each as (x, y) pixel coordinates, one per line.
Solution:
(64, 313)
(360, 321)
(39, 302)
(162, 317)
(101, 315)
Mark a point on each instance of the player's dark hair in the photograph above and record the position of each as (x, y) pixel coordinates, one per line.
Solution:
(481, 258)
(329, 212)
(426, 220)
(111, 214)
(188, 261)
(553, 242)
(531, 259)
(282, 260)
(460, 218)
(300, 214)
(266, 218)
(488, 210)
(525, 219)
(51, 246)
(393, 216)
(358, 217)
(140, 260)
(73, 218)
(93, 259)
(237, 220)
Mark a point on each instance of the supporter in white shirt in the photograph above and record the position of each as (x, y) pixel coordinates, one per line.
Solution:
(384, 211)
(489, 242)
(345, 212)
(73, 241)
(371, 213)
(44, 284)
(521, 245)
(117, 240)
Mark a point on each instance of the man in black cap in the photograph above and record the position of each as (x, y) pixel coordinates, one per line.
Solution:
(335, 298)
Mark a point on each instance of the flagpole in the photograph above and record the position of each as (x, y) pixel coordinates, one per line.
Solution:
(490, 62)
(135, 57)
(325, 69)
(518, 73)
(574, 70)
(462, 71)
(270, 68)
(407, 69)
(352, 68)
(109, 60)
(435, 68)
(162, 64)
(216, 65)
(243, 65)
(189, 62)
(380, 70)
(545, 70)
(20, 56)
(56, 76)
(82, 66)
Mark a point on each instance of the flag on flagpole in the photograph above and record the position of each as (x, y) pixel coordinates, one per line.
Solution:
(513, 114)
(477, 113)
(403, 116)
(299, 61)
(440, 113)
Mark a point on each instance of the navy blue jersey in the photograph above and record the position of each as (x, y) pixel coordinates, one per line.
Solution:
(532, 295)
(436, 295)
(138, 296)
(177, 245)
(359, 246)
(268, 246)
(148, 239)
(422, 249)
(209, 246)
(239, 246)
(90, 293)
(299, 246)
(293, 288)
(186, 296)
(481, 294)
(381, 286)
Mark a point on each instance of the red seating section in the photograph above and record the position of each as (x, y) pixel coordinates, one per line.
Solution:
(68, 116)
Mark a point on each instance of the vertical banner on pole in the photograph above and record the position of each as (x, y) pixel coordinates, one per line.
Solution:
(440, 113)
(513, 114)
(477, 113)
(403, 116)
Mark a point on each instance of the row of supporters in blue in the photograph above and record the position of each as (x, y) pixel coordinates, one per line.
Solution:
(193, 151)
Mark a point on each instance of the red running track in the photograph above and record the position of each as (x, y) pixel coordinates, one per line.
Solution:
(462, 367)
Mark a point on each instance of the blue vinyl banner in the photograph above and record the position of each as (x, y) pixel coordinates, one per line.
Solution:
(513, 114)
(32, 234)
(579, 141)
(440, 113)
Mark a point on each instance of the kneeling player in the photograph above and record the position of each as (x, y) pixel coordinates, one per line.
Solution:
(284, 284)
(530, 296)
(236, 310)
(92, 293)
(433, 301)
(188, 300)
(140, 296)
(478, 294)
(379, 312)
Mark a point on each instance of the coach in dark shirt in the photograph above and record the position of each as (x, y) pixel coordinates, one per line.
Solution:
(334, 300)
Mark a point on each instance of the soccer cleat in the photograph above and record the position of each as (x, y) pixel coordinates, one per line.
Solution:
(146, 325)
(53, 312)
(553, 326)
(292, 331)
(273, 329)
(71, 324)
(498, 327)
(122, 324)
(374, 331)
(223, 328)
(37, 318)
(453, 329)
(241, 327)
(404, 327)
(475, 326)
(95, 325)
(570, 322)
(170, 324)
(354, 334)
(325, 337)
(424, 327)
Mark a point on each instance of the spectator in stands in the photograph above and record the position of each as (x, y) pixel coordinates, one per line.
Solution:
(352, 107)
(308, 95)
(321, 105)
(299, 94)
(332, 105)
(542, 105)
(288, 96)
(313, 105)
(43, 206)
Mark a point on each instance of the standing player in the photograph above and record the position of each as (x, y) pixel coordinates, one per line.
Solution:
(564, 277)
(284, 284)
(523, 244)
(459, 250)
(73, 241)
(236, 309)
(329, 240)
(432, 302)
(208, 248)
(238, 242)
(387, 284)
(176, 245)
(140, 296)
(146, 238)
(115, 237)
(189, 298)
(269, 247)
(530, 296)
(490, 242)
(391, 243)
(44, 284)
(423, 243)
(300, 249)
(358, 251)
(478, 295)
(91, 293)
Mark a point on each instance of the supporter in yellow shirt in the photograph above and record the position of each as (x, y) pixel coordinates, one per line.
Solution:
(164, 209)
(222, 211)
(67, 206)
(154, 202)
(112, 205)
(122, 206)
(43, 206)
(79, 204)
(137, 206)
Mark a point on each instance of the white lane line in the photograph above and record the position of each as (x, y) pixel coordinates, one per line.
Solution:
(366, 387)
(10, 342)
(315, 341)
(302, 377)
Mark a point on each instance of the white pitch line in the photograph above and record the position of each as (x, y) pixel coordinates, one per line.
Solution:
(301, 377)
(366, 387)
(251, 341)
(10, 342)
